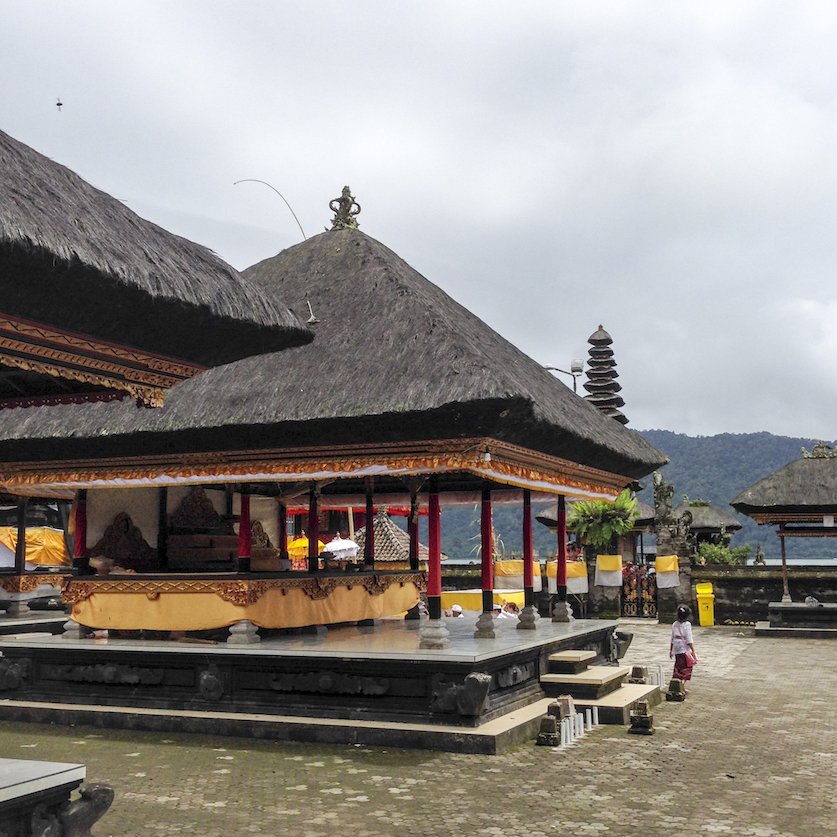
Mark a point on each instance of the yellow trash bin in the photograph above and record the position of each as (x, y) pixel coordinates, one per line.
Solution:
(706, 604)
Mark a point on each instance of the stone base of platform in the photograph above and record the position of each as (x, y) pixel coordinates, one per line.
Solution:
(809, 632)
(491, 738)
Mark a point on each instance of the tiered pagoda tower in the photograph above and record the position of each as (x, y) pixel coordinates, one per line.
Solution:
(602, 386)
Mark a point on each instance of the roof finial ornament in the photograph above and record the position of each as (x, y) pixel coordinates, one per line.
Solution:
(345, 208)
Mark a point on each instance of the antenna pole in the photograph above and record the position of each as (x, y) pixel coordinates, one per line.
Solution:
(290, 209)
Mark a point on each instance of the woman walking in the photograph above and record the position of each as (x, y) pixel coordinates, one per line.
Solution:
(682, 646)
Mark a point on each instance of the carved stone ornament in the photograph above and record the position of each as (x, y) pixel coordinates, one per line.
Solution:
(78, 816)
(258, 537)
(242, 593)
(210, 684)
(345, 209)
(821, 451)
(123, 542)
(197, 512)
(12, 674)
(328, 682)
(466, 698)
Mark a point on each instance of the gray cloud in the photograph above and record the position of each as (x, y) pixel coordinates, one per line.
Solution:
(667, 170)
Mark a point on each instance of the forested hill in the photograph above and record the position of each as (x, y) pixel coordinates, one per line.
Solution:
(718, 468)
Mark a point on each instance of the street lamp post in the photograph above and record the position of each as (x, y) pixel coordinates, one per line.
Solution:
(576, 368)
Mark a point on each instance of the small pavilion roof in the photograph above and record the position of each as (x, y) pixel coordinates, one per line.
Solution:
(804, 487)
(392, 543)
(708, 518)
(75, 258)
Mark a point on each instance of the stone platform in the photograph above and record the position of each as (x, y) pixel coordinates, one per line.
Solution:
(798, 619)
(346, 684)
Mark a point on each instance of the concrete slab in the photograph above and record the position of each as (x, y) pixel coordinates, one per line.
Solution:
(615, 708)
(592, 683)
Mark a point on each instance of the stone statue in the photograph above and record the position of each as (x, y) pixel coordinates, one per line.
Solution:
(345, 209)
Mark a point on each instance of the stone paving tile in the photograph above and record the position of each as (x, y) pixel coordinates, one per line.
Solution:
(751, 752)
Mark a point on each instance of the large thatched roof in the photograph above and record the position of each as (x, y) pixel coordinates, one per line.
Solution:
(73, 257)
(805, 486)
(394, 358)
(708, 518)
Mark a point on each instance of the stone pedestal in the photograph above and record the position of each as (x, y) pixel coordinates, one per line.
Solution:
(72, 630)
(529, 618)
(433, 634)
(243, 633)
(485, 626)
(549, 734)
(676, 690)
(562, 612)
(642, 719)
(17, 608)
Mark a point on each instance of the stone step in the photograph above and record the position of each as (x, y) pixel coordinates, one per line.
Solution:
(570, 662)
(615, 708)
(593, 683)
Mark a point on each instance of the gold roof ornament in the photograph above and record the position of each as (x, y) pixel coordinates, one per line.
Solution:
(345, 209)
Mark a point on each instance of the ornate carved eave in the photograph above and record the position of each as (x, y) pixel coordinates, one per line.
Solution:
(33, 347)
(484, 458)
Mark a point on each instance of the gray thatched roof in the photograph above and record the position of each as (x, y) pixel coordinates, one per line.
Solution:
(805, 485)
(708, 518)
(76, 258)
(394, 358)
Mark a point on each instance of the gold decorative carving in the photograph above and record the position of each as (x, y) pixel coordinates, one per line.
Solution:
(321, 588)
(240, 592)
(29, 583)
(376, 585)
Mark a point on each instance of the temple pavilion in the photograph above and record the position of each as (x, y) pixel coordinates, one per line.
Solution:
(395, 395)
(404, 396)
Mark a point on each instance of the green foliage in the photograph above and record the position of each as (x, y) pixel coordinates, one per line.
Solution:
(599, 521)
(714, 553)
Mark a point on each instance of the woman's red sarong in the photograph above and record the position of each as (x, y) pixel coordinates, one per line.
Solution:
(682, 669)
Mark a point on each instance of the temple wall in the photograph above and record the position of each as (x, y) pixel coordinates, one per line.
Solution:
(103, 504)
(743, 593)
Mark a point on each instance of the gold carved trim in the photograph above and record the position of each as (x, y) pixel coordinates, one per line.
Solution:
(144, 376)
(28, 583)
(240, 592)
(511, 463)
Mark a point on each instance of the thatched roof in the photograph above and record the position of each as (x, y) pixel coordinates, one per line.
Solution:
(708, 518)
(807, 485)
(394, 358)
(549, 517)
(76, 258)
(392, 543)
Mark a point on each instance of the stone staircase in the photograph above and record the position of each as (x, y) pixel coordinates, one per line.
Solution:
(602, 686)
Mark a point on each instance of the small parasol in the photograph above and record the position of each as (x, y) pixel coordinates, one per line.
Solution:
(342, 549)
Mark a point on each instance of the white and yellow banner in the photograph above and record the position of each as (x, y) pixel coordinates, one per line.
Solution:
(577, 580)
(608, 571)
(667, 570)
(508, 575)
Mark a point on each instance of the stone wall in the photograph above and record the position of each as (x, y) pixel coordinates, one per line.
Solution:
(743, 593)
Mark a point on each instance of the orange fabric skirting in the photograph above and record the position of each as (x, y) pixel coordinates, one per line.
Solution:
(174, 610)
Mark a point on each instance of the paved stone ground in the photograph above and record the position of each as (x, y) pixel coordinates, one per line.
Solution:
(751, 752)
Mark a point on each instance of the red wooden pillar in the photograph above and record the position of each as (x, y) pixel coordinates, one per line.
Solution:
(413, 532)
(561, 571)
(528, 569)
(434, 543)
(20, 546)
(313, 530)
(80, 532)
(282, 525)
(487, 552)
(369, 542)
(244, 535)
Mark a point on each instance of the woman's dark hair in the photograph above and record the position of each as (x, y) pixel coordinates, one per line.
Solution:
(683, 613)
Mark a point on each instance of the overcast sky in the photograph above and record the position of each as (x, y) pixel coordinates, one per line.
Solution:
(668, 170)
